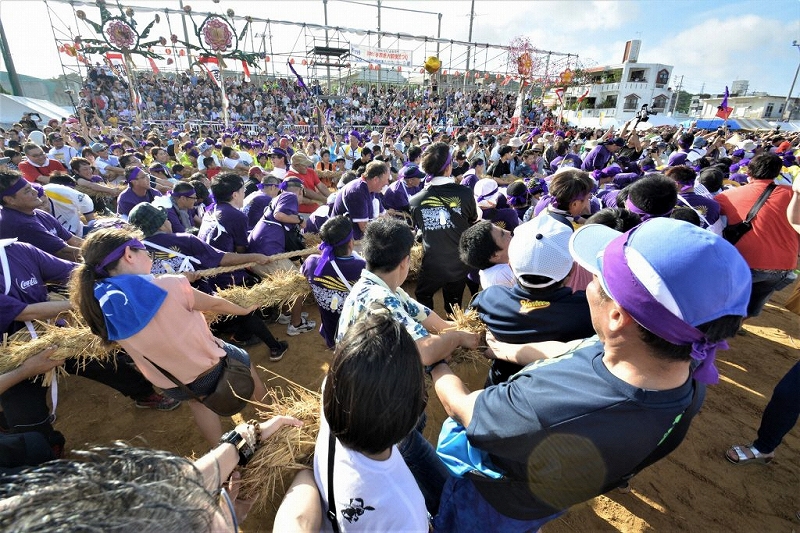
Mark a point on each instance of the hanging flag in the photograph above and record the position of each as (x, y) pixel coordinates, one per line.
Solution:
(153, 65)
(515, 118)
(246, 69)
(584, 95)
(300, 81)
(505, 81)
(723, 111)
(211, 66)
(560, 95)
(117, 64)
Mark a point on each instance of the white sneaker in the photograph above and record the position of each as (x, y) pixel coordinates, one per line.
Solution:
(287, 319)
(305, 325)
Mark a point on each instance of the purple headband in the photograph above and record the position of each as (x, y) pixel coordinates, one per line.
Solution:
(517, 200)
(134, 174)
(327, 252)
(446, 163)
(626, 289)
(630, 206)
(15, 187)
(483, 197)
(187, 192)
(116, 253)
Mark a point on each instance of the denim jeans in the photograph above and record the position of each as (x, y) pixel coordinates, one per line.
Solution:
(428, 471)
(765, 282)
(781, 412)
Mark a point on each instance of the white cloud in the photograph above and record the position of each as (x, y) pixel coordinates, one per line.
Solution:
(720, 50)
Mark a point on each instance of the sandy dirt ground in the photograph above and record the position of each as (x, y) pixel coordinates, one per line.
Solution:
(694, 489)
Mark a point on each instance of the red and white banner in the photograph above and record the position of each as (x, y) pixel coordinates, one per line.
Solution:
(246, 70)
(381, 56)
(211, 66)
(117, 64)
(153, 65)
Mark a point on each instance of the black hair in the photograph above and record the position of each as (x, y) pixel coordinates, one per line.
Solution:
(711, 178)
(476, 245)
(126, 160)
(387, 241)
(224, 185)
(60, 178)
(434, 159)
(765, 167)
(375, 387)
(208, 161)
(681, 174)
(414, 152)
(654, 194)
(568, 185)
(615, 218)
(226, 151)
(200, 189)
(505, 149)
(183, 187)
(335, 230)
(687, 214)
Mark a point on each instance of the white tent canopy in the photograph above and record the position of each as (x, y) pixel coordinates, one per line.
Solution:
(12, 108)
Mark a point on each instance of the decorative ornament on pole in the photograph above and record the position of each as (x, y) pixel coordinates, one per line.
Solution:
(117, 34)
(432, 65)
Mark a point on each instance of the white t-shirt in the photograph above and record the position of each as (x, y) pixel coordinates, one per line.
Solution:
(370, 495)
(68, 206)
(63, 155)
(497, 275)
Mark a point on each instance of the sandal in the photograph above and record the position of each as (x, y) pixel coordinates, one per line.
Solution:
(747, 453)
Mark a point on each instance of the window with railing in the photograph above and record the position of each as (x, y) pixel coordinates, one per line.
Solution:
(660, 102)
(631, 102)
(662, 78)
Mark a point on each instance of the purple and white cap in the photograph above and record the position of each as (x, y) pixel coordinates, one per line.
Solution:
(670, 276)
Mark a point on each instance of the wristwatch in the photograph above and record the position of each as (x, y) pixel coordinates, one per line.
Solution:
(240, 443)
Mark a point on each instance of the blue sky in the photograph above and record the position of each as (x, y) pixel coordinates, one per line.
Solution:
(710, 43)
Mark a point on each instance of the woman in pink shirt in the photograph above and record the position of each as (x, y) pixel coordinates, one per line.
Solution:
(156, 320)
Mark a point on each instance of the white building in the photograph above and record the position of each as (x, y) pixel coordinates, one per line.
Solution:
(615, 93)
(765, 107)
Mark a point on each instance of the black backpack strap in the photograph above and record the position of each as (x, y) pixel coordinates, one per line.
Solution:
(760, 202)
(331, 505)
(175, 380)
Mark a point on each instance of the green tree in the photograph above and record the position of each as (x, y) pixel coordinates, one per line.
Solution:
(684, 100)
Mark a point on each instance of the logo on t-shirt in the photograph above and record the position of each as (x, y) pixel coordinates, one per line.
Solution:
(526, 306)
(352, 512)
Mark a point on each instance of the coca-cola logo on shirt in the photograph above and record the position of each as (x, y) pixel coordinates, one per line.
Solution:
(25, 285)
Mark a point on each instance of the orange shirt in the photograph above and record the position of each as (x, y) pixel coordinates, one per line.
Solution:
(772, 244)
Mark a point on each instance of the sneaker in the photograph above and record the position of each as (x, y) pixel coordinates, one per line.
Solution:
(57, 443)
(305, 325)
(277, 354)
(251, 341)
(287, 319)
(157, 401)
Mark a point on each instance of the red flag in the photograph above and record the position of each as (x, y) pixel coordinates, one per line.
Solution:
(153, 65)
(246, 71)
(723, 111)
(211, 66)
(560, 95)
(584, 95)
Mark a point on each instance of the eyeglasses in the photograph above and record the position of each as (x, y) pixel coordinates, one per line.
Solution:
(192, 197)
(148, 252)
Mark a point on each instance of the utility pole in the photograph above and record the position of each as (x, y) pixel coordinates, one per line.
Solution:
(677, 95)
(185, 35)
(786, 112)
(379, 36)
(469, 48)
(327, 43)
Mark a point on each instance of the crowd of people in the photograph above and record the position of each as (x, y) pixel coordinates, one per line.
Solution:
(278, 102)
(579, 248)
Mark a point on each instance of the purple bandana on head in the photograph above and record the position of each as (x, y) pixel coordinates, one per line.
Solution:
(187, 193)
(327, 252)
(116, 253)
(446, 163)
(626, 289)
(630, 206)
(14, 188)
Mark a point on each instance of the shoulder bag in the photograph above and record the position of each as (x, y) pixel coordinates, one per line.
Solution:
(733, 232)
